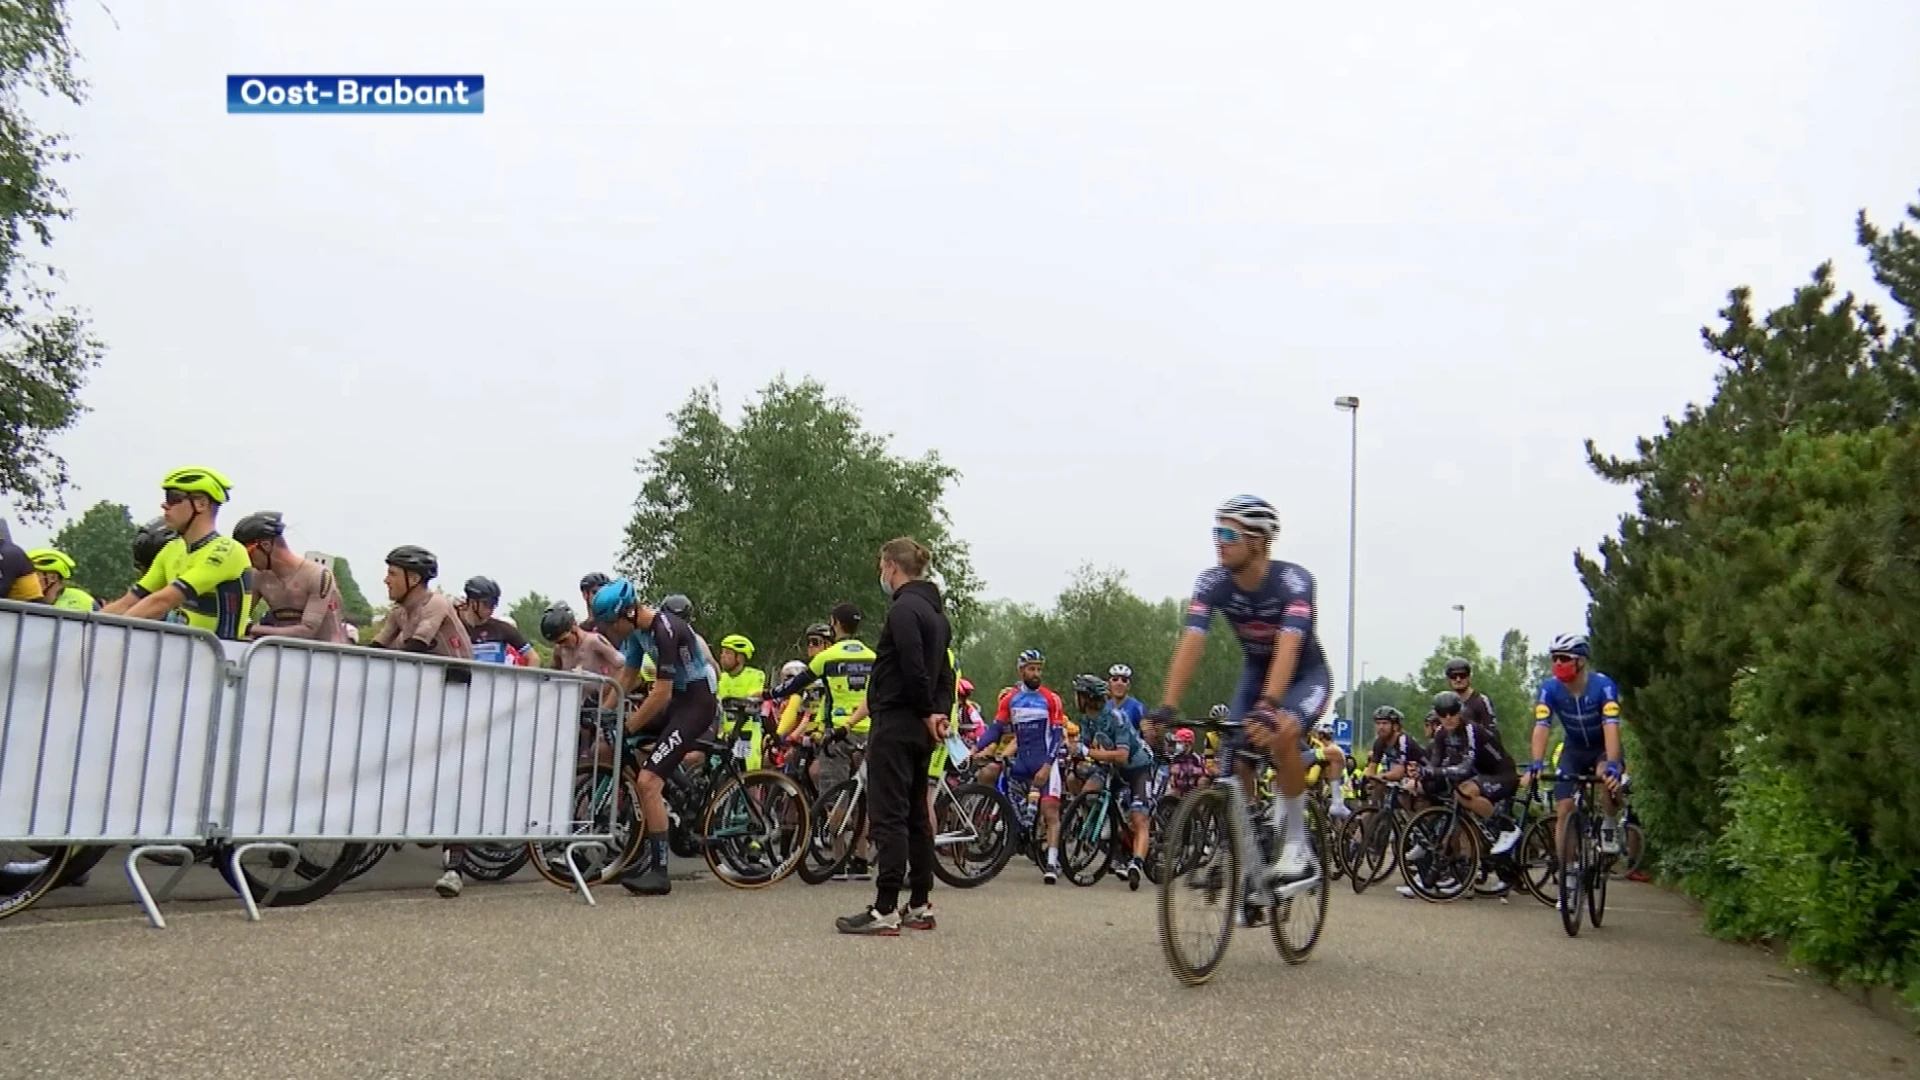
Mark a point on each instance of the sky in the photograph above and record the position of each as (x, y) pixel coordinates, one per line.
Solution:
(1112, 261)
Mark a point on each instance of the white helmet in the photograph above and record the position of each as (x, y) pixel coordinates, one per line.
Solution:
(1255, 513)
(1119, 671)
(791, 670)
(1323, 726)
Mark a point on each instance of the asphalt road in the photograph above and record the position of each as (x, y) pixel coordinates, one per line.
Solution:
(1020, 979)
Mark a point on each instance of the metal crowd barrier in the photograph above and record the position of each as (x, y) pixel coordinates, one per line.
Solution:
(154, 735)
(108, 730)
(335, 743)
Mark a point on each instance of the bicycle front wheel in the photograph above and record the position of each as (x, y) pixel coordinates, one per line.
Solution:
(1300, 917)
(1437, 857)
(1087, 838)
(973, 836)
(1573, 871)
(28, 873)
(837, 819)
(1200, 886)
(602, 802)
(755, 829)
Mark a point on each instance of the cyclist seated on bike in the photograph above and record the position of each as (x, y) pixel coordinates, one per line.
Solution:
(1462, 755)
(1587, 704)
(299, 597)
(1113, 741)
(1393, 749)
(1186, 770)
(1038, 721)
(679, 710)
(741, 688)
(1325, 758)
(55, 571)
(842, 664)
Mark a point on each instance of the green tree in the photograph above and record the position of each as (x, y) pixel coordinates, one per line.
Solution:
(353, 602)
(1504, 679)
(100, 544)
(769, 522)
(46, 350)
(525, 615)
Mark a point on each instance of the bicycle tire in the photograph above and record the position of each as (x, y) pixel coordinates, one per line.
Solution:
(993, 820)
(1350, 845)
(1573, 874)
(1433, 830)
(548, 858)
(1311, 904)
(1157, 825)
(1597, 890)
(81, 863)
(818, 864)
(1085, 859)
(1633, 848)
(1539, 863)
(298, 890)
(774, 829)
(1195, 823)
(375, 852)
(491, 863)
(20, 891)
(1384, 845)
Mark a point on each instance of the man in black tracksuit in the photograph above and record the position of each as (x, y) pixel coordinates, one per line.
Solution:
(909, 697)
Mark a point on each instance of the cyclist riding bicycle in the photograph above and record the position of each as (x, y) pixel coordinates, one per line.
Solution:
(55, 569)
(1038, 722)
(1186, 770)
(1393, 749)
(679, 710)
(1284, 681)
(200, 572)
(1587, 704)
(297, 596)
(1462, 754)
(1111, 739)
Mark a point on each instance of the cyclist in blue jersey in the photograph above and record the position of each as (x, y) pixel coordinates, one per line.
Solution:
(1120, 694)
(1037, 720)
(1588, 705)
(1284, 682)
(680, 708)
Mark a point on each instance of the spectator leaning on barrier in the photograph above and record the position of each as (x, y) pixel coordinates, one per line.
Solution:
(299, 596)
(910, 696)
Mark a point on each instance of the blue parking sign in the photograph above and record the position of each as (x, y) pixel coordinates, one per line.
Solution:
(1343, 734)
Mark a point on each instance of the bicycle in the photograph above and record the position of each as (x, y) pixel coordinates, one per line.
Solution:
(1096, 829)
(1214, 836)
(1369, 840)
(1583, 867)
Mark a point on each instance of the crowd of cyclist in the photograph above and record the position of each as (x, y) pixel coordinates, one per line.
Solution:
(252, 585)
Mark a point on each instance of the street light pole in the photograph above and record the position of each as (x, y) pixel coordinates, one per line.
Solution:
(1351, 405)
(1462, 609)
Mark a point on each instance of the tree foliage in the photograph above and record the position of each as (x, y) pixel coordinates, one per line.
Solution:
(353, 602)
(100, 543)
(46, 350)
(769, 522)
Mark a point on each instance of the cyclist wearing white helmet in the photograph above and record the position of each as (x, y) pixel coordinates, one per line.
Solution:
(1587, 704)
(1120, 693)
(1284, 682)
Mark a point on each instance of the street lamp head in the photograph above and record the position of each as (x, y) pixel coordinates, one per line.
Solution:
(1459, 607)
(1348, 403)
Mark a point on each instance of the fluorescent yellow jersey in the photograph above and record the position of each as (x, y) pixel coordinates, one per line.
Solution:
(215, 577)
(74, 599)
(937, 768)
(747, 682)
(845, 666)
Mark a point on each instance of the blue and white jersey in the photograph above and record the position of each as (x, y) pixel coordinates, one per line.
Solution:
(1584, 717)
(1283, 603)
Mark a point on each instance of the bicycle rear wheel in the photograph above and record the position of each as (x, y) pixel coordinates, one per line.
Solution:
(1633, 848)
(602, 802)
(29, 872)
(1088, 838)
(987, 816)
(488, 863)
(755, 830)
(837, 818)
(328, 863)
(1430, 857)
(1597, 889)
(1299, 919)
(1199, 863)
(1539, 864)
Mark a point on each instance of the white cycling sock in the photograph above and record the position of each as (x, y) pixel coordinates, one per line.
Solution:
(1296, 818)
(1339, 790)
(1053, 857)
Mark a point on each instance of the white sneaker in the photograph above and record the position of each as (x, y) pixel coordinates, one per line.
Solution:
(1506, 841)
(1296, 862)
(448, 885)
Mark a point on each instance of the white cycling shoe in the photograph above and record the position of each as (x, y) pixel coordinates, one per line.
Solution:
(1296, 862)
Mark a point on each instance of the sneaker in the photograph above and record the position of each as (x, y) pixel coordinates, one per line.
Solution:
(1505, 841)
(1050, 875)
(649, 880)
(1133, 875)
(869, 922)
(1445, 886)
(1339, 810)
(448, 885)
(1609, 840)
(1296, 862)
(918, 918)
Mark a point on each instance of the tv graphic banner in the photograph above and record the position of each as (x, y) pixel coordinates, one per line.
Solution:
(357, 94)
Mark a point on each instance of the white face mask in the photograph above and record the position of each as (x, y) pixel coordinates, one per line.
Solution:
(886, 587)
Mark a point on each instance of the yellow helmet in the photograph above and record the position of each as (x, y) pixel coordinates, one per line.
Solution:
(738, 643)
(51, 561)
(199, 481)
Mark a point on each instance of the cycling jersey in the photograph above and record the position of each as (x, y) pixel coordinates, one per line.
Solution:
(17, 579)
(214, 576)
(425, 618)
(1283, 603)
(590, 652)
(306, 597)
(1583, 717)
(1392, 753)
(676, 651)
(76, 599)
(747, 682)
(845, 666)
(1038, 722)
(1131, 708)
(1185, 772)
(1111, 730)
(498, 641)
(1467, 752)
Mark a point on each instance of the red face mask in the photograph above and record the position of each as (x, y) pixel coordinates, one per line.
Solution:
(1565, 670)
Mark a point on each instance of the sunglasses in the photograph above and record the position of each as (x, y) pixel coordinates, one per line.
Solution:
(174, 498)
(1461, 675)
(1564, 658)
(1224, 535)
(1451, 712)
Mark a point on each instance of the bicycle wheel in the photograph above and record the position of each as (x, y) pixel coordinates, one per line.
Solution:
(369, 860)
(1431, 859)
(488, 863)
(329, 863)
(1539, 863)
(1383, 845)
(1350, 846)
(81, 863)
(602, 803)
(1633, 848)
(1194, 944)
(981, 820)
(29, 872)
(1573, 871)
(755, 830)
(1320, 819)
(1088, 838)
(1299, 919)
(837, 818)
(1158, 825)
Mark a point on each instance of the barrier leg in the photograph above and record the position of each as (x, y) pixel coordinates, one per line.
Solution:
(280, 879)
(579, 881)
(140, 890)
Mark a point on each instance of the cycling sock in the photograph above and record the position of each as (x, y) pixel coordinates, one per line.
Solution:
(660, 851)
(1296, 818)
(1053, 857)
(1339, 790)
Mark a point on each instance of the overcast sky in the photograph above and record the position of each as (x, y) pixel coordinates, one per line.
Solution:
(1114, 261)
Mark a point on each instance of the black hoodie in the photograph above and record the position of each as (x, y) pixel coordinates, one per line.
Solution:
(911, 672)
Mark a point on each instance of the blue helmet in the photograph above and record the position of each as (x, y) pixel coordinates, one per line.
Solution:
(1031, 656)
(614, 598)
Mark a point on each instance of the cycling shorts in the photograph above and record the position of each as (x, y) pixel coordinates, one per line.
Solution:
(1497, 788)
(1576, 761)
(1306, 699)
(689, 716)
(1132, 788)
(1023, 776)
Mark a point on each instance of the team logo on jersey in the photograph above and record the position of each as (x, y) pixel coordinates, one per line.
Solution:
(1611, 709)
(1258, 631)
(1541, 712)
(1197, 608)
(1299, 609)
(1295, 580)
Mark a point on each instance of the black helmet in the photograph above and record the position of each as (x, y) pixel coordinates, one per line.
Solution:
(1446, 703)
(556, 621)
(265, 525)
(820, 630)
(592, 582)
(484, 589)
(415, 560)
(1387, 714)
(1458, 666)
(1433, 718)
(147, 543)
(679, 605)
(1090, 685)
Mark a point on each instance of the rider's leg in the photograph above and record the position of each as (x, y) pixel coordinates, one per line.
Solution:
(1474, 800)
(1336, 765)
(1047, 782)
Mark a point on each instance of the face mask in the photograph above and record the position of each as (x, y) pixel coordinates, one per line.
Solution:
(886, 588)
(1565, 670)
(1032, 683)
